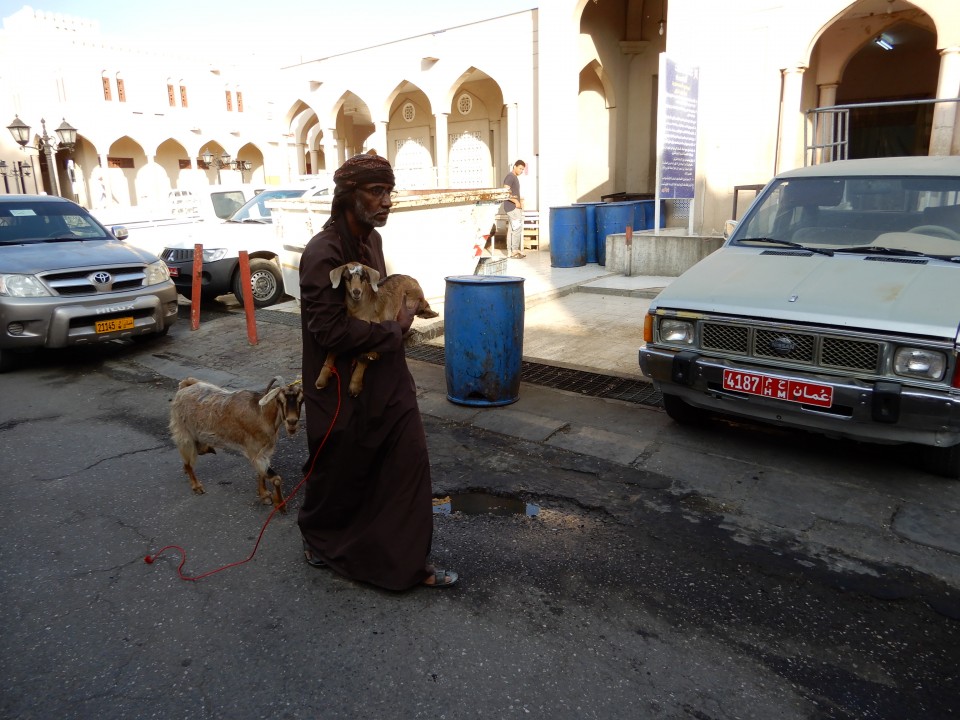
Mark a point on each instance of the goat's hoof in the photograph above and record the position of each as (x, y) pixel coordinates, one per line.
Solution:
(199, 490)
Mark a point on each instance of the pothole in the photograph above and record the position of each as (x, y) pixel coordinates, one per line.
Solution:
(478, 503)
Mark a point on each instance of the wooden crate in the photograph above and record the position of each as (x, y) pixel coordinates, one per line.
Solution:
(531, 229)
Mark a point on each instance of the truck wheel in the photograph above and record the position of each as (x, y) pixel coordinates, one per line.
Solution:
(265, 280)
(942, 461)
(682, 412)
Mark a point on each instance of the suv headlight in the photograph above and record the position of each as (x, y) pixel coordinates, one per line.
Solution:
(156, 272)
(919, 363)
(678, 332)
(22, 286)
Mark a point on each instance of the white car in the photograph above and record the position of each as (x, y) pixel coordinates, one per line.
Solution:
(250, 228)
(834, 306)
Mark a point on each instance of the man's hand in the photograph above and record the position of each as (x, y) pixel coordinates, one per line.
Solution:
(405, 315)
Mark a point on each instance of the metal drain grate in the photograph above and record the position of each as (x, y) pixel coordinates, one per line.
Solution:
(578, 381)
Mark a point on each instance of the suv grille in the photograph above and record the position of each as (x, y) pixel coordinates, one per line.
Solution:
(792, 346)
(93, 281)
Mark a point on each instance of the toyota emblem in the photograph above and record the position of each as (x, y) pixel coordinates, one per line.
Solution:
(782, 346)
(101, 278)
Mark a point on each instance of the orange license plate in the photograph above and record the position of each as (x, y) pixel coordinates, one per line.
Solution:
(113, 325)
(806, 393)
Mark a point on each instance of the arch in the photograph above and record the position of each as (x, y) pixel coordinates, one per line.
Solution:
(125, 159)
(476, 132)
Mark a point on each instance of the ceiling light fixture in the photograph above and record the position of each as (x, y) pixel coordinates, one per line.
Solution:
(884, 42)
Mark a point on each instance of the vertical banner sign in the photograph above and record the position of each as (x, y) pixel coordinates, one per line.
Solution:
(677, 133)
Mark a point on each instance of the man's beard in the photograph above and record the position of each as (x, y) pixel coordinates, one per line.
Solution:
(365, 217)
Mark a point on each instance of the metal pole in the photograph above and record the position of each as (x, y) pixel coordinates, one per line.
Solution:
(51, 163)
(23, 183)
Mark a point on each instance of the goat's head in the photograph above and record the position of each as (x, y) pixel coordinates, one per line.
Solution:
(354, 275)
(289, 399)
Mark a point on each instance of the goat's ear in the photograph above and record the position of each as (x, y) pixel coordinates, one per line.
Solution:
(336, 274)
(374, 277)
(270, 396)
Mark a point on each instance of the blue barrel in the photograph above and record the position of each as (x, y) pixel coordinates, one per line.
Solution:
(568, 236)
(646, 214)
(590, 214)
(613, 218)
(483, 339)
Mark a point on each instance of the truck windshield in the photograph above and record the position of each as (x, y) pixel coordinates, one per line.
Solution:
(256, 210)
(909, 213)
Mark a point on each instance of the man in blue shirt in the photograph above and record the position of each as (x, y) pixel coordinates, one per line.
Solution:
(513, 207)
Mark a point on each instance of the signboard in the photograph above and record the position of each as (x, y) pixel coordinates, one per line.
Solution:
(677, 132)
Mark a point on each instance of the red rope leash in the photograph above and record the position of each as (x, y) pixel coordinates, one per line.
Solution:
(183, 553)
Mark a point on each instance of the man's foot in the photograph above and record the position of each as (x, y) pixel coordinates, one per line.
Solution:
(312, 560)
(440, 578)
(518, 256)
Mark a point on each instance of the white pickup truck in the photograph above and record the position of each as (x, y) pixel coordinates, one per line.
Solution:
(834, 306)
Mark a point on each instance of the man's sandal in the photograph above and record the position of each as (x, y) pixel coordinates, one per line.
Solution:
(442, 579)
(311, 560)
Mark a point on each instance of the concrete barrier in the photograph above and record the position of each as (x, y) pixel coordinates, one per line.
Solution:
(660, 255)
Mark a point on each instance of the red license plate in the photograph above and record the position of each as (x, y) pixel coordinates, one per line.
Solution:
(174, 272)
(797, 391)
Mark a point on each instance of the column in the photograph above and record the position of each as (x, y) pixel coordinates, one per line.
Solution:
(827, 127)
(314, 161)
(378, 140)
(331, 153)
(943, 134)
(789, 146)
(106, 194)
(442, 160)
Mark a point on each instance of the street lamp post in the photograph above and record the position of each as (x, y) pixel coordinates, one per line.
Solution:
(19, 171)
(221, 162)
(66, 139)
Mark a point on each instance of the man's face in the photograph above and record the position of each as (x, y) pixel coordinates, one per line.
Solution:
(518, 170)
(372, 204)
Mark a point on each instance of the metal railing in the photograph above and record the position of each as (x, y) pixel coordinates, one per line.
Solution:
(826, 134)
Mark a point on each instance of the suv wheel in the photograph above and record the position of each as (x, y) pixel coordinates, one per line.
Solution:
(266, 282)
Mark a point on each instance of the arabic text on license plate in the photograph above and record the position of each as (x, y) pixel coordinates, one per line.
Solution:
(796, 391)
(174, 271)
(106, 326)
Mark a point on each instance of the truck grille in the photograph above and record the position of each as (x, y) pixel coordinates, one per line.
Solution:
(173, 255)
(802, 348)
(94, 281)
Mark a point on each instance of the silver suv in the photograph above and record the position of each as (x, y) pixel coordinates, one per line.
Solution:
(833, 307)
(66, 280)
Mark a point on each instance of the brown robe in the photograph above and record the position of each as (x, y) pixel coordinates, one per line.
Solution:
(367, 509)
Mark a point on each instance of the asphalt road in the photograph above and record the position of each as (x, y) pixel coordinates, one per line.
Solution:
(621, 598)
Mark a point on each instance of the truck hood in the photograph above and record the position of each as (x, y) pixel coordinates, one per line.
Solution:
(853, 291)
(46, 256)
(234, 236)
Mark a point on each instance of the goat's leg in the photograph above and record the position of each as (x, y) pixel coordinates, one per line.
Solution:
(188, 452)
(356, 379)
(195, 484)
(267, 475)
(325, 372)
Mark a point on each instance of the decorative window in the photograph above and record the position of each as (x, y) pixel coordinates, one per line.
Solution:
(107, 92)
(121, 93)
(120, 162)
(184, 164)
(229, 101)
(239, 101)
(409, 112)
(183, 96)
(171, 95)
(465, 104)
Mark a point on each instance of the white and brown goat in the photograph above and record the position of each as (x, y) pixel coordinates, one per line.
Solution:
(204, 417)
(369, 298)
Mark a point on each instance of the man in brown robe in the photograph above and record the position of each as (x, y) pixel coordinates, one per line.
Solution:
(367, 511)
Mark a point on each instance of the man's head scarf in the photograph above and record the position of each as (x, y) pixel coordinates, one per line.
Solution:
(362, 170)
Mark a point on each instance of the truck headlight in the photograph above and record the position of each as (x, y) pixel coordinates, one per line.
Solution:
(919, 363)
(156, 272)
(214, 254)
(679, 332)
(22, 286)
